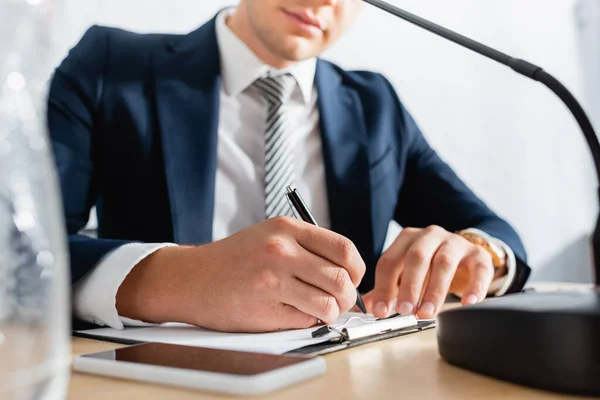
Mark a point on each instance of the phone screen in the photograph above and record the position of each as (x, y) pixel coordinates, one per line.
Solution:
(201, 359)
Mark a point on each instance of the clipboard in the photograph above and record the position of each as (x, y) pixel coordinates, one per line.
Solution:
(365, 332)
(350, 330)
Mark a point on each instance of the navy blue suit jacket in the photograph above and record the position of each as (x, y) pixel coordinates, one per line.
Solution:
(133, 121)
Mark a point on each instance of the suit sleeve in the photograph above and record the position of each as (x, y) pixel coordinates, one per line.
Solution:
(432, 194)
(75, 131)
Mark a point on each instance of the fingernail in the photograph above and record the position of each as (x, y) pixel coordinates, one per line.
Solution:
(381, 308)
(427, 309)
(405, 308)
(472, 299)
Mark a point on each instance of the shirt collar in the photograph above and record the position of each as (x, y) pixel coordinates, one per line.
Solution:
(240, 67)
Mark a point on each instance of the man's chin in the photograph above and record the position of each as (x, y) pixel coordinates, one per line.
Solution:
(300, 49)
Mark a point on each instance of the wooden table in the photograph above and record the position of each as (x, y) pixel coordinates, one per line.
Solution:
(407, 367)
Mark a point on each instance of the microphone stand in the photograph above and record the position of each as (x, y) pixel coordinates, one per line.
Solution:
(545, 340)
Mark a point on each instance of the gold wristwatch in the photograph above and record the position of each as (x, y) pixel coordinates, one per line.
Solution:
(497, 253)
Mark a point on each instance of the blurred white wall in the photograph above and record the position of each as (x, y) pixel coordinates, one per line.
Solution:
(588, 25)
(510, 139)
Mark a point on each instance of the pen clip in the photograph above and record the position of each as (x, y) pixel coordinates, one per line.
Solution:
(299, 206)
(290, 204)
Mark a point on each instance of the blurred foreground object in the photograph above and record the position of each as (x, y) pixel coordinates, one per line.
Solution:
(34, 311)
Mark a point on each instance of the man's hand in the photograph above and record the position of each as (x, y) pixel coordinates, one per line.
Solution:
(422, 266)
(279, 274)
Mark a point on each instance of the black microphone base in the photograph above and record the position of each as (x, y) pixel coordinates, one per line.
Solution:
(548, 341)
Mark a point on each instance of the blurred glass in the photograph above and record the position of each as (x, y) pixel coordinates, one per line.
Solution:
(34, 310)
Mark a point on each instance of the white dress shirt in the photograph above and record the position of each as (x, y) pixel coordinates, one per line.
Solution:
(239, 192)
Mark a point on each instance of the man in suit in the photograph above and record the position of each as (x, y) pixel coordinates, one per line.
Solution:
(185, 145)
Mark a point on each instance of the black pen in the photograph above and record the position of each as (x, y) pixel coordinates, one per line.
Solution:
(303, 212)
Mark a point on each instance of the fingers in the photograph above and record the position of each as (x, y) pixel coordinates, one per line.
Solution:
(418, 259)
(443, 268)
(311, 301)
(481, 267)
(417, 271)
(333, 247)
(328, 277)
(319, 269)
(461, 279)
(387, 274)
(292, 318)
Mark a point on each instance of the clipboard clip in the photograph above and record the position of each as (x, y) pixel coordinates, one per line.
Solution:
(369, 327)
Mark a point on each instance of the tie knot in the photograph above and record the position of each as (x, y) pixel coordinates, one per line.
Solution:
(276, 89)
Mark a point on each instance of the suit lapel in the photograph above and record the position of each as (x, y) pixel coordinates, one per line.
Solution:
(345, 152)
(187, 94)
(188, 86)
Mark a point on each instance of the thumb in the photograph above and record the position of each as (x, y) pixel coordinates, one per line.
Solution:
(387, 277)
(381, 301)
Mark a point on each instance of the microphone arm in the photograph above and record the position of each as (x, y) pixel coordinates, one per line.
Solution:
(530, 71)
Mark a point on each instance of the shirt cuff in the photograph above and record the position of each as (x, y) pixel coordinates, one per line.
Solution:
(95, 296)
(500, 286)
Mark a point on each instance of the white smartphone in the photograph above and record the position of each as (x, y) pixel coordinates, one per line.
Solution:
(224, 371)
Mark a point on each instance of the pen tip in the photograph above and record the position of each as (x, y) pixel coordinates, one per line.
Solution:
(290, 189)
(360, 303)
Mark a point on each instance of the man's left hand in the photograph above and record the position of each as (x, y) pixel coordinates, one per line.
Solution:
(422, 266)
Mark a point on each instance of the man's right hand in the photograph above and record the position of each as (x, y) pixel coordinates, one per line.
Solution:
(279, 274)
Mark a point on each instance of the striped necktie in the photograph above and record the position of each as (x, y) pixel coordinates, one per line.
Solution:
(279, 146)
